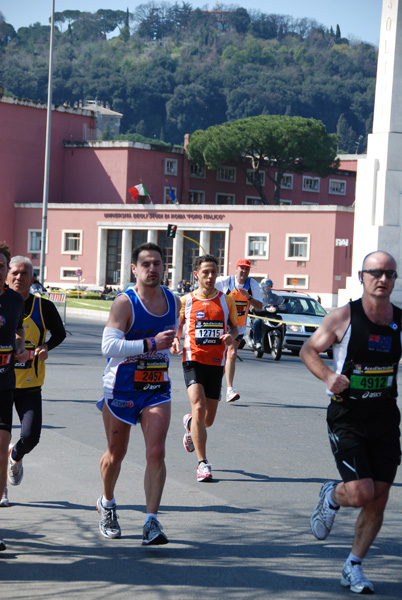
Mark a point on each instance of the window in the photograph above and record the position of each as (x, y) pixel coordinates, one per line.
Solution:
(258, 176)
(253, 200)
(72, 242)
(171, 166)
(283, 202)
(35, 240)
(297, 247)
(296, 282)
(196, 171)
(287, 182)
(69, 274)
(169, 195)
(337, 187)
(218, 248)
(226, 174)
(191, 249)
(225, 198)
(257, 245)
(196, 197)
(166, 245)
(113, 256)
(311, 184)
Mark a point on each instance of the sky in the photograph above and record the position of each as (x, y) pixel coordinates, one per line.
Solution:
(358, 19)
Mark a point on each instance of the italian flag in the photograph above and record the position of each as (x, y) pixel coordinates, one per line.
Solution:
(138, 190)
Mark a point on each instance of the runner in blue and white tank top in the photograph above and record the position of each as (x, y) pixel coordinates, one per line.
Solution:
(130, 383)
(136, 386)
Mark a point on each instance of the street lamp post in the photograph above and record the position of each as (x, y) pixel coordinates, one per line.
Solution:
(47, 154)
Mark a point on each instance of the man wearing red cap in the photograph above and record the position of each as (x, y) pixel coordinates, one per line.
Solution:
(245, 291)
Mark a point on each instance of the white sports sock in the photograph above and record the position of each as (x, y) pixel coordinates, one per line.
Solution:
(330, 500)
(353, 558)
(149, 516)
(108, 503)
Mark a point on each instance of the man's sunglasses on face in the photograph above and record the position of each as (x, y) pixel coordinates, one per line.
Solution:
(377, 273)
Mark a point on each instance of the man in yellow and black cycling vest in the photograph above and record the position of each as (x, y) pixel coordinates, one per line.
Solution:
(40, 316)
(246, 292)
(12, 348)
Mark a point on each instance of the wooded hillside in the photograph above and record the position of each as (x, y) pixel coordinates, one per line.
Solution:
(170, 69)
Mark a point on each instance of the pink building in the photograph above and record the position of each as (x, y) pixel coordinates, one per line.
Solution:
(305, 243)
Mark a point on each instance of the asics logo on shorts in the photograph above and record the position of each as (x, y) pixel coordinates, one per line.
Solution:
(371, 395)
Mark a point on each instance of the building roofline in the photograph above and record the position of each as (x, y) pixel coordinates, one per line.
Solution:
(102, 110)
(64, 108)
(123, 144)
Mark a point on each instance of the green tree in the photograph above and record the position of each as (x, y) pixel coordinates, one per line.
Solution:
(7, 32)
(110, 19)
(290, 144)
(239, 20)
(347, 137)
(193, 106)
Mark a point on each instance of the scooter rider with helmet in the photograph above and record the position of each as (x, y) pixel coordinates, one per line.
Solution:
(271, 302)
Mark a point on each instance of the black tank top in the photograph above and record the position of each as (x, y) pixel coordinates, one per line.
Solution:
(372, 357)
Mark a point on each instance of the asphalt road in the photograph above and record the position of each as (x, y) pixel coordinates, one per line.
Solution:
(244, 536)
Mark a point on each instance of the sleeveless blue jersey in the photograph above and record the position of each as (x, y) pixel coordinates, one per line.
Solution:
(145, 375)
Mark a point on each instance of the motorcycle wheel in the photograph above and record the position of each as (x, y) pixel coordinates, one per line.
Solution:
(258, 353)
(276, 350)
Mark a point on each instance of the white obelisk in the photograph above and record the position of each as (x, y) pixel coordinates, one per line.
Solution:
(378, 208)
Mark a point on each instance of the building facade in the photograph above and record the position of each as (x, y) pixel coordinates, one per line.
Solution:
(92, 223)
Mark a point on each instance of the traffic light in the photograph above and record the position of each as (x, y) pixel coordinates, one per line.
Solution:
(171, 231)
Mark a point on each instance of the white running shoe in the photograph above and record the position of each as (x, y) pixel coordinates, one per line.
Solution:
(353, 578)
(232, 395)
(258, 345)
(15, 471)
(108, 524)
(187, 440)
(204, 472)
(323, 516)
(4, 502)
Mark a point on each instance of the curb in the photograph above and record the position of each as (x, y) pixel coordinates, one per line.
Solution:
(88, 313)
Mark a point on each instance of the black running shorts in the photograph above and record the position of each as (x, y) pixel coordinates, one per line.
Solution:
(365, 446)
(209, 376)
(6, 410)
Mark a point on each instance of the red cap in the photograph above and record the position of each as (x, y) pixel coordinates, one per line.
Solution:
(243, 262)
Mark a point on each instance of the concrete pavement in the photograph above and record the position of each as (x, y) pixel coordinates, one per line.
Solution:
(245, 536)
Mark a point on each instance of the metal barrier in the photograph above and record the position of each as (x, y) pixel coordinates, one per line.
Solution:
(59, 299)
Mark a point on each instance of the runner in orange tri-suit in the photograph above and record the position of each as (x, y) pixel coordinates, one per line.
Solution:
(210, 320)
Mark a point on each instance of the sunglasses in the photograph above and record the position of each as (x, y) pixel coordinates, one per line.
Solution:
(377, 273)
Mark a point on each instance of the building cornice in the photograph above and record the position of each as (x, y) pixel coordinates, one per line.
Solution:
(190, 207)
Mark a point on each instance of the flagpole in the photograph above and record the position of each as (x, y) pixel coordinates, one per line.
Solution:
(47, 154)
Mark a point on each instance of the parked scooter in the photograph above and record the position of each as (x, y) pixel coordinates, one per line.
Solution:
(271, 336)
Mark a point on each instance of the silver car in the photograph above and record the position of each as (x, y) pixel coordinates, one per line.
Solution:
(302, 315)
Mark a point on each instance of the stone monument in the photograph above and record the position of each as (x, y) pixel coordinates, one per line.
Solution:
(378, 208)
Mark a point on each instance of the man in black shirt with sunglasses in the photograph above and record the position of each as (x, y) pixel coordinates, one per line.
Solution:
(363, 417)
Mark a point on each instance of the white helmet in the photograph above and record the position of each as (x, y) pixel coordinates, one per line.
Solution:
(267, 283)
